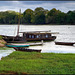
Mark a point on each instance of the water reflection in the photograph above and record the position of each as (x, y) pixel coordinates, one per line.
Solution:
(4, 53)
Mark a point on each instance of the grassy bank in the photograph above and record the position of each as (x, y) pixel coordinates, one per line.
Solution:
(5, 48)
(38, 63)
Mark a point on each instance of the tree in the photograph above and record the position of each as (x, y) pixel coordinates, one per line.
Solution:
(8, 17)
(61, 18)
(55, 17)
(27, 16)
(71, 17)
(38, 16)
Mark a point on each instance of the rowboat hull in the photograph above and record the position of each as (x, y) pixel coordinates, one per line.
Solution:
(26, 50)
(64, 43)
(17, 45)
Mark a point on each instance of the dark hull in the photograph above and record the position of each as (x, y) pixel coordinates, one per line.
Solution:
(15, 41)
(39, 39)
(64, 43)
(12, 39)
(26, 50)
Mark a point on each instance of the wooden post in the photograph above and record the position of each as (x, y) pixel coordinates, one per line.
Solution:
(18, 23)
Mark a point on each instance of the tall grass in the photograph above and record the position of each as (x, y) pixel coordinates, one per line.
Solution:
(38, 63)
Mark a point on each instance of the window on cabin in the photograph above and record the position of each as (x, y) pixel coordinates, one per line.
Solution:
(29, 36)
(46, 35)
(32, 36)
(37, 36)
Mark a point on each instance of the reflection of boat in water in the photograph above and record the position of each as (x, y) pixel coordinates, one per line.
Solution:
(26, 50)
(65, 43)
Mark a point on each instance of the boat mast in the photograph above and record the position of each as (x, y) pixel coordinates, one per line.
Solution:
(18, 23)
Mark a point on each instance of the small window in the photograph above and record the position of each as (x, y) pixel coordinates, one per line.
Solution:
(37, 36)
(29, 36)
(32, 36)
(46, 36)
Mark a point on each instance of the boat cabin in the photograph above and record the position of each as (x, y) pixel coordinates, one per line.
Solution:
(37, 36)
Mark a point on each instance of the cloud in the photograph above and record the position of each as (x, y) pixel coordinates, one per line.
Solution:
(63, 6)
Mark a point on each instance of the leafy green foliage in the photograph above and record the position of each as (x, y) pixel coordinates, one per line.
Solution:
(71, 17)
(38, 16)
(27, 16)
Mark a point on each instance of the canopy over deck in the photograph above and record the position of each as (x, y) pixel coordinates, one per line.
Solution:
(41, 32)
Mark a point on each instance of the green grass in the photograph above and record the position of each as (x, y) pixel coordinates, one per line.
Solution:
(38, 63)
(5, 48)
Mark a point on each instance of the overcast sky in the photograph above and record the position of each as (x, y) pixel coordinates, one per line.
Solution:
(63, 6)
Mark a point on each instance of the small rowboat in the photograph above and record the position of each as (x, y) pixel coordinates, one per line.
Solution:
(64, 43)
(25, 49)
(17, 45)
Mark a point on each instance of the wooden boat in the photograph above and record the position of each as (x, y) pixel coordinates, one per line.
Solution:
(17, 45)
(65, 43)
(30, 36)
(25, 49)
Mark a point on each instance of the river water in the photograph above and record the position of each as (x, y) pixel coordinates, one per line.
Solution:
(66, 34)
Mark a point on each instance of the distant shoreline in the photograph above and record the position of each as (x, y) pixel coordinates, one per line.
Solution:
(37, 24)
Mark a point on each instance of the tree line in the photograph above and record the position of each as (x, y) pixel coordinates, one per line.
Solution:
(38, 16)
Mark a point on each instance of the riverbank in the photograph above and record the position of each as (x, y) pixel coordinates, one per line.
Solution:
(41, 24)
(2, 42)
(38, 63)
